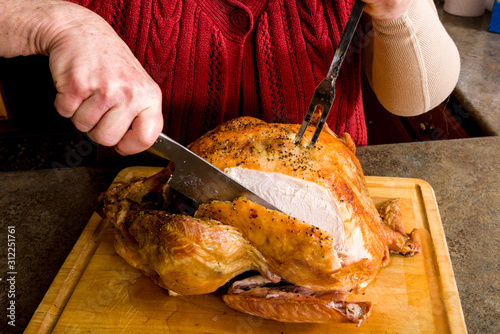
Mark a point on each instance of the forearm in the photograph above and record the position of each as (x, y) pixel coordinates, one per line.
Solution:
(24, 27)
(100, 84)
(412, 63)
(36, 26)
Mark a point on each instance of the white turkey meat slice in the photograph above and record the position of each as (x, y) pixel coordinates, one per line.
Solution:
(306, 201)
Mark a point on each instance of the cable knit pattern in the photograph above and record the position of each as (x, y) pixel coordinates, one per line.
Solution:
(211, 69)
(316, 36)
(119, 16)
(270, 78)
(212, 108)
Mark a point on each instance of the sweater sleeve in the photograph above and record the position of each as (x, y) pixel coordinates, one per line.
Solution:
(412, 63)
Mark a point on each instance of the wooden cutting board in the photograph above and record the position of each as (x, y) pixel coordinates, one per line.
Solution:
(96, 291)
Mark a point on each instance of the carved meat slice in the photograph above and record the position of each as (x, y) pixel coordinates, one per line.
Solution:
(289, 303)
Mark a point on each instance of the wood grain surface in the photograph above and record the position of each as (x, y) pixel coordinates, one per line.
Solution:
(96, 291)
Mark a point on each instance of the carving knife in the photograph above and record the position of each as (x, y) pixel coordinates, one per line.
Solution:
(198, 179)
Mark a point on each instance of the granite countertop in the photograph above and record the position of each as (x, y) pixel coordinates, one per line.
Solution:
(478, 87)
(49, 209)
(465, 178)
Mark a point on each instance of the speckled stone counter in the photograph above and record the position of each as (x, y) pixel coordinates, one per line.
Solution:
(478, 87)
(50, 208)
(465, 178)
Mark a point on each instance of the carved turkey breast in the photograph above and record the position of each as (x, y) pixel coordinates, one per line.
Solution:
(328, 240)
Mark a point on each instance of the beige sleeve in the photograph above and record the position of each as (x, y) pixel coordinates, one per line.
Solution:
(412, 63)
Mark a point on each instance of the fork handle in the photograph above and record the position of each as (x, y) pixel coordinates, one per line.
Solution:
(345, 39)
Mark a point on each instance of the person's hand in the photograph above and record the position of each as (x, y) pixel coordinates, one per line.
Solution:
(100, 84)
(387, 10)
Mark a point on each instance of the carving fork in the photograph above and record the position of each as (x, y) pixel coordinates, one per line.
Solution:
(324, 94)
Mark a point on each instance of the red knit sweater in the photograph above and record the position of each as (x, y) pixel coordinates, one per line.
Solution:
(218, 59)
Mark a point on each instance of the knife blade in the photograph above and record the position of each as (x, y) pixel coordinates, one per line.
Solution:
(198, 179)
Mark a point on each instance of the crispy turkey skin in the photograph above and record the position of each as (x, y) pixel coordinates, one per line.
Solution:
(329, 239)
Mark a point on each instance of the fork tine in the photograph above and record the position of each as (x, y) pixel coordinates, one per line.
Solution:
(323, 96)
(326, 95)
(306, 121)
(321, 123)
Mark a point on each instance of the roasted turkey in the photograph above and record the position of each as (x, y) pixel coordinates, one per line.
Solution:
(328, 241)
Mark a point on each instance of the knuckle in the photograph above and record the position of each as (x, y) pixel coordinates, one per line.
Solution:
(85, 122)
(131, 92)
(102, 138)
(107, 94)
(83, 127)
(150, 91)
(79, 87)
(148, 139)
(65, 106)
(63, 111)
(156, 91)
